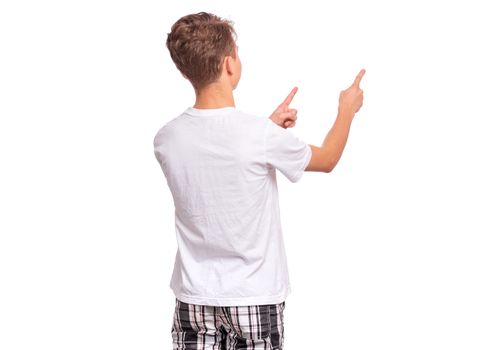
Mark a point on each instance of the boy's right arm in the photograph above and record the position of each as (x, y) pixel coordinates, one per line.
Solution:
(326, 157)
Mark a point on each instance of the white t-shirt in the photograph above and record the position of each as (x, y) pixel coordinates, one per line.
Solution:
(220, 167)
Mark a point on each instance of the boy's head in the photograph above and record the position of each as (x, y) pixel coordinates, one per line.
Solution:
(203, 47)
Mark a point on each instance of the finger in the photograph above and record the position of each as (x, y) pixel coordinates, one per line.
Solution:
(290, 115)
(292, 112)
(288, 99)
(357, 81)
(290, 119)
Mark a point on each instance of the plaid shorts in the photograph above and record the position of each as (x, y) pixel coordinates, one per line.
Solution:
(205, 327)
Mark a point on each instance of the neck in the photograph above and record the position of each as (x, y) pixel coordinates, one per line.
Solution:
(214, 96)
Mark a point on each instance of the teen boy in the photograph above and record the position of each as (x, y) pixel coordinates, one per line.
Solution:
(230, 276)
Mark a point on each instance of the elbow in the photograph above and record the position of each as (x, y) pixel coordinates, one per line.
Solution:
(330, 165)
(326, 163)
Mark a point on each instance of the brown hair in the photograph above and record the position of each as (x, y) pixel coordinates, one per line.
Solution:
(198, 44)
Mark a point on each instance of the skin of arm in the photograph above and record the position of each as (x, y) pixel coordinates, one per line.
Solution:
(326, 157)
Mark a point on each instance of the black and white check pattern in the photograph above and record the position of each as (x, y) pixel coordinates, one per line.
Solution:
(205, 327)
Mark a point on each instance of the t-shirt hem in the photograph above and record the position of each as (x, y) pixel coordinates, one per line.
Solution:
(257, 300)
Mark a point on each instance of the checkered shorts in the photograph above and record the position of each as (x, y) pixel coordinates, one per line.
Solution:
(204, 327)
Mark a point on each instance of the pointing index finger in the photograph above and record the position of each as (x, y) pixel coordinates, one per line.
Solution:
(357, 81)
(288, 99)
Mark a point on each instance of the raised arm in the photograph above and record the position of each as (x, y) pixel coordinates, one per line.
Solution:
(326, 157)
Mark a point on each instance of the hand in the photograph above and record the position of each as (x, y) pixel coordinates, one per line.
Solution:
(284, 116)
(350, 100)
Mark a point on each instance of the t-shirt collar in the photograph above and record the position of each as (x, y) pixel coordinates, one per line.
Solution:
(209, 111)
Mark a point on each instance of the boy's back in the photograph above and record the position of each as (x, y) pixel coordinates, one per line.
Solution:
(230, 275)
(220, 167)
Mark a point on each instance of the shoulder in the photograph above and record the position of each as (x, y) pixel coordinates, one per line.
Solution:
(250, 116)
(265, 124)
(254, 120)
(167, 129)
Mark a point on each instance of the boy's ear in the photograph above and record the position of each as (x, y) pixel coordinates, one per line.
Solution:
(227, 65)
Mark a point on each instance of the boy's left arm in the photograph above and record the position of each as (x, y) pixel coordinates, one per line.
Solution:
(284, 116)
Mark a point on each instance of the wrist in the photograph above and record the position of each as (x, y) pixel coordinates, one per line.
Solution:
(344, 112)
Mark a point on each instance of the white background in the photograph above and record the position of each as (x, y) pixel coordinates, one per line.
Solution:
(389, 251)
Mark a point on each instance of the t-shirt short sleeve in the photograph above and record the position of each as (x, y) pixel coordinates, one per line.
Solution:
(286, 152)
